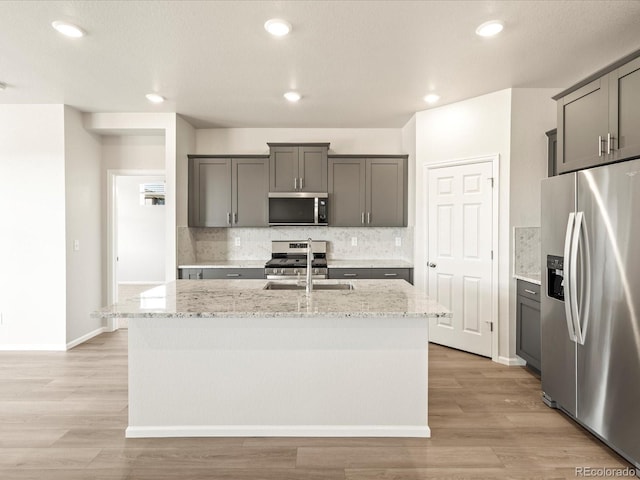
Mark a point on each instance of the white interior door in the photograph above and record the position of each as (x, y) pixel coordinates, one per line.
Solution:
(460, 231)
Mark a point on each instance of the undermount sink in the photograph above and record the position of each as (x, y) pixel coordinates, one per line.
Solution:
(316, 286)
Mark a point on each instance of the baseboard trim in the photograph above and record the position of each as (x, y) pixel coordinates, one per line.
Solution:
(150, 282)
(84, 338)
(34, 347)
(278, 431)
(511, 361)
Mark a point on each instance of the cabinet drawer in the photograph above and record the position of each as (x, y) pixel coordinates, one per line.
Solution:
(529, 290)
(190, 273)
(352, 273)
(233, 273)
(391, 273)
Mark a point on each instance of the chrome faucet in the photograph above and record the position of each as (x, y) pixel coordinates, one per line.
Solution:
(309, 264)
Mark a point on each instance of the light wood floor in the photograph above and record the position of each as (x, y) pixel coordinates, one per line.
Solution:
(63, 415)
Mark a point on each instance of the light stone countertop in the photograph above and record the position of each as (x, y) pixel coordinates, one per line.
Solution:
(227, 264)
(529, 277)
(330, 264)
(247, 298)
(369, 264)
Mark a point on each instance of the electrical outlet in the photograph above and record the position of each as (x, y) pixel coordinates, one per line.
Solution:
(398, 241)
(76, 245)
(354, 241)
(237, 239)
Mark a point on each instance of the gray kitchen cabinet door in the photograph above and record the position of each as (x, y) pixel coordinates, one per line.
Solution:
(250, 186)
(583, 120)
(347, 187)
(350, 273)
(385, 192)
(283, 165)
(528, 335)
(312, 169)
(210, 192)
(624, 108)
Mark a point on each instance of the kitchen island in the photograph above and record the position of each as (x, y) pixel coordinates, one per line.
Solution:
(231, 358)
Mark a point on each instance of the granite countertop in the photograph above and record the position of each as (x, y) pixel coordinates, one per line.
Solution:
(227, 264)
(247, 298)
(369, 264)
(330, 263)
(529, 277)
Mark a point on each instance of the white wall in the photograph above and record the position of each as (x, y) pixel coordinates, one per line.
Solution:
(133, 152)
(83, 197)
(409, 147)
(32, 223)
(533, 112)
(141, 233)
(472, 128)
(342, 140)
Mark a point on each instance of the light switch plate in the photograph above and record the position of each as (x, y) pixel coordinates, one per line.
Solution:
(398, 241)
(237, 240)
(354, 241)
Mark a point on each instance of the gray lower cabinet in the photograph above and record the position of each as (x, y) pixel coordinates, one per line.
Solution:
(372, 273)
(528, 323)
(298, 167)
(599, 120)
(228, 191)
(368, 191)
(221, 273)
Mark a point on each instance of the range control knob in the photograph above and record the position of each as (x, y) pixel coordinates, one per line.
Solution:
(315, 271)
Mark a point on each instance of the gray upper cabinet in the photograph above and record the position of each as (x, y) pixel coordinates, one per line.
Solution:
(347, 191)
(298, 167)
(624, 120)
(582, 126)
(368, 191)
(599, 119)
(228, 191)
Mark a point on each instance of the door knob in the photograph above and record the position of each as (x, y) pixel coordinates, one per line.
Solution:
(432, 265)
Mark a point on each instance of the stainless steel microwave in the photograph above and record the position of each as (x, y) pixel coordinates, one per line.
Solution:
(298, 208)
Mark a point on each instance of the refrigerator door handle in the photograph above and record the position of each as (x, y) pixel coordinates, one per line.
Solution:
(581, 319)
(567, 282)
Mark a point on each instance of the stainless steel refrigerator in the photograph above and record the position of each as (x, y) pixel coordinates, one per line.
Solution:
(590, 304)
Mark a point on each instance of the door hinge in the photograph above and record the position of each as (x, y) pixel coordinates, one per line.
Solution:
(491, 326)
(491, 180)
(491, 254)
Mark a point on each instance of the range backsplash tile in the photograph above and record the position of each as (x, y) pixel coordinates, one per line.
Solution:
(526, 248)
(211, 244)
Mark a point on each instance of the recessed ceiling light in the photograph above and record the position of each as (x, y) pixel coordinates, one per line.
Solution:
(68, 29)
(155, 98)
(277, 27)
(292, 96)
(432, 98)
(490, 28)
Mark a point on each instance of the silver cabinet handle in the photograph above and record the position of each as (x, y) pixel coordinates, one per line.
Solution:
(530, 292)
(233, 274)
(432, 265)
(599, 145)
(200, 275)
(229, 218)
(368, 217)
(349, 274)
(362, 220)
(609, 143)
(235, 217)
(295, 183)
(390, 274)
(301, 183)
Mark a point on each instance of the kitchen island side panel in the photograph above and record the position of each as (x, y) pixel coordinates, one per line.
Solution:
(278, 377)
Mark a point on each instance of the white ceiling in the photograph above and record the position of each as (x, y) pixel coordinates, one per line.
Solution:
(356, 63)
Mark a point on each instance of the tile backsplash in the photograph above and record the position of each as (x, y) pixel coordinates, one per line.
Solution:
(526, 250)
(199, 245)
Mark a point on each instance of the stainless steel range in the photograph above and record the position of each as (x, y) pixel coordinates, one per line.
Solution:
(289, 259)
